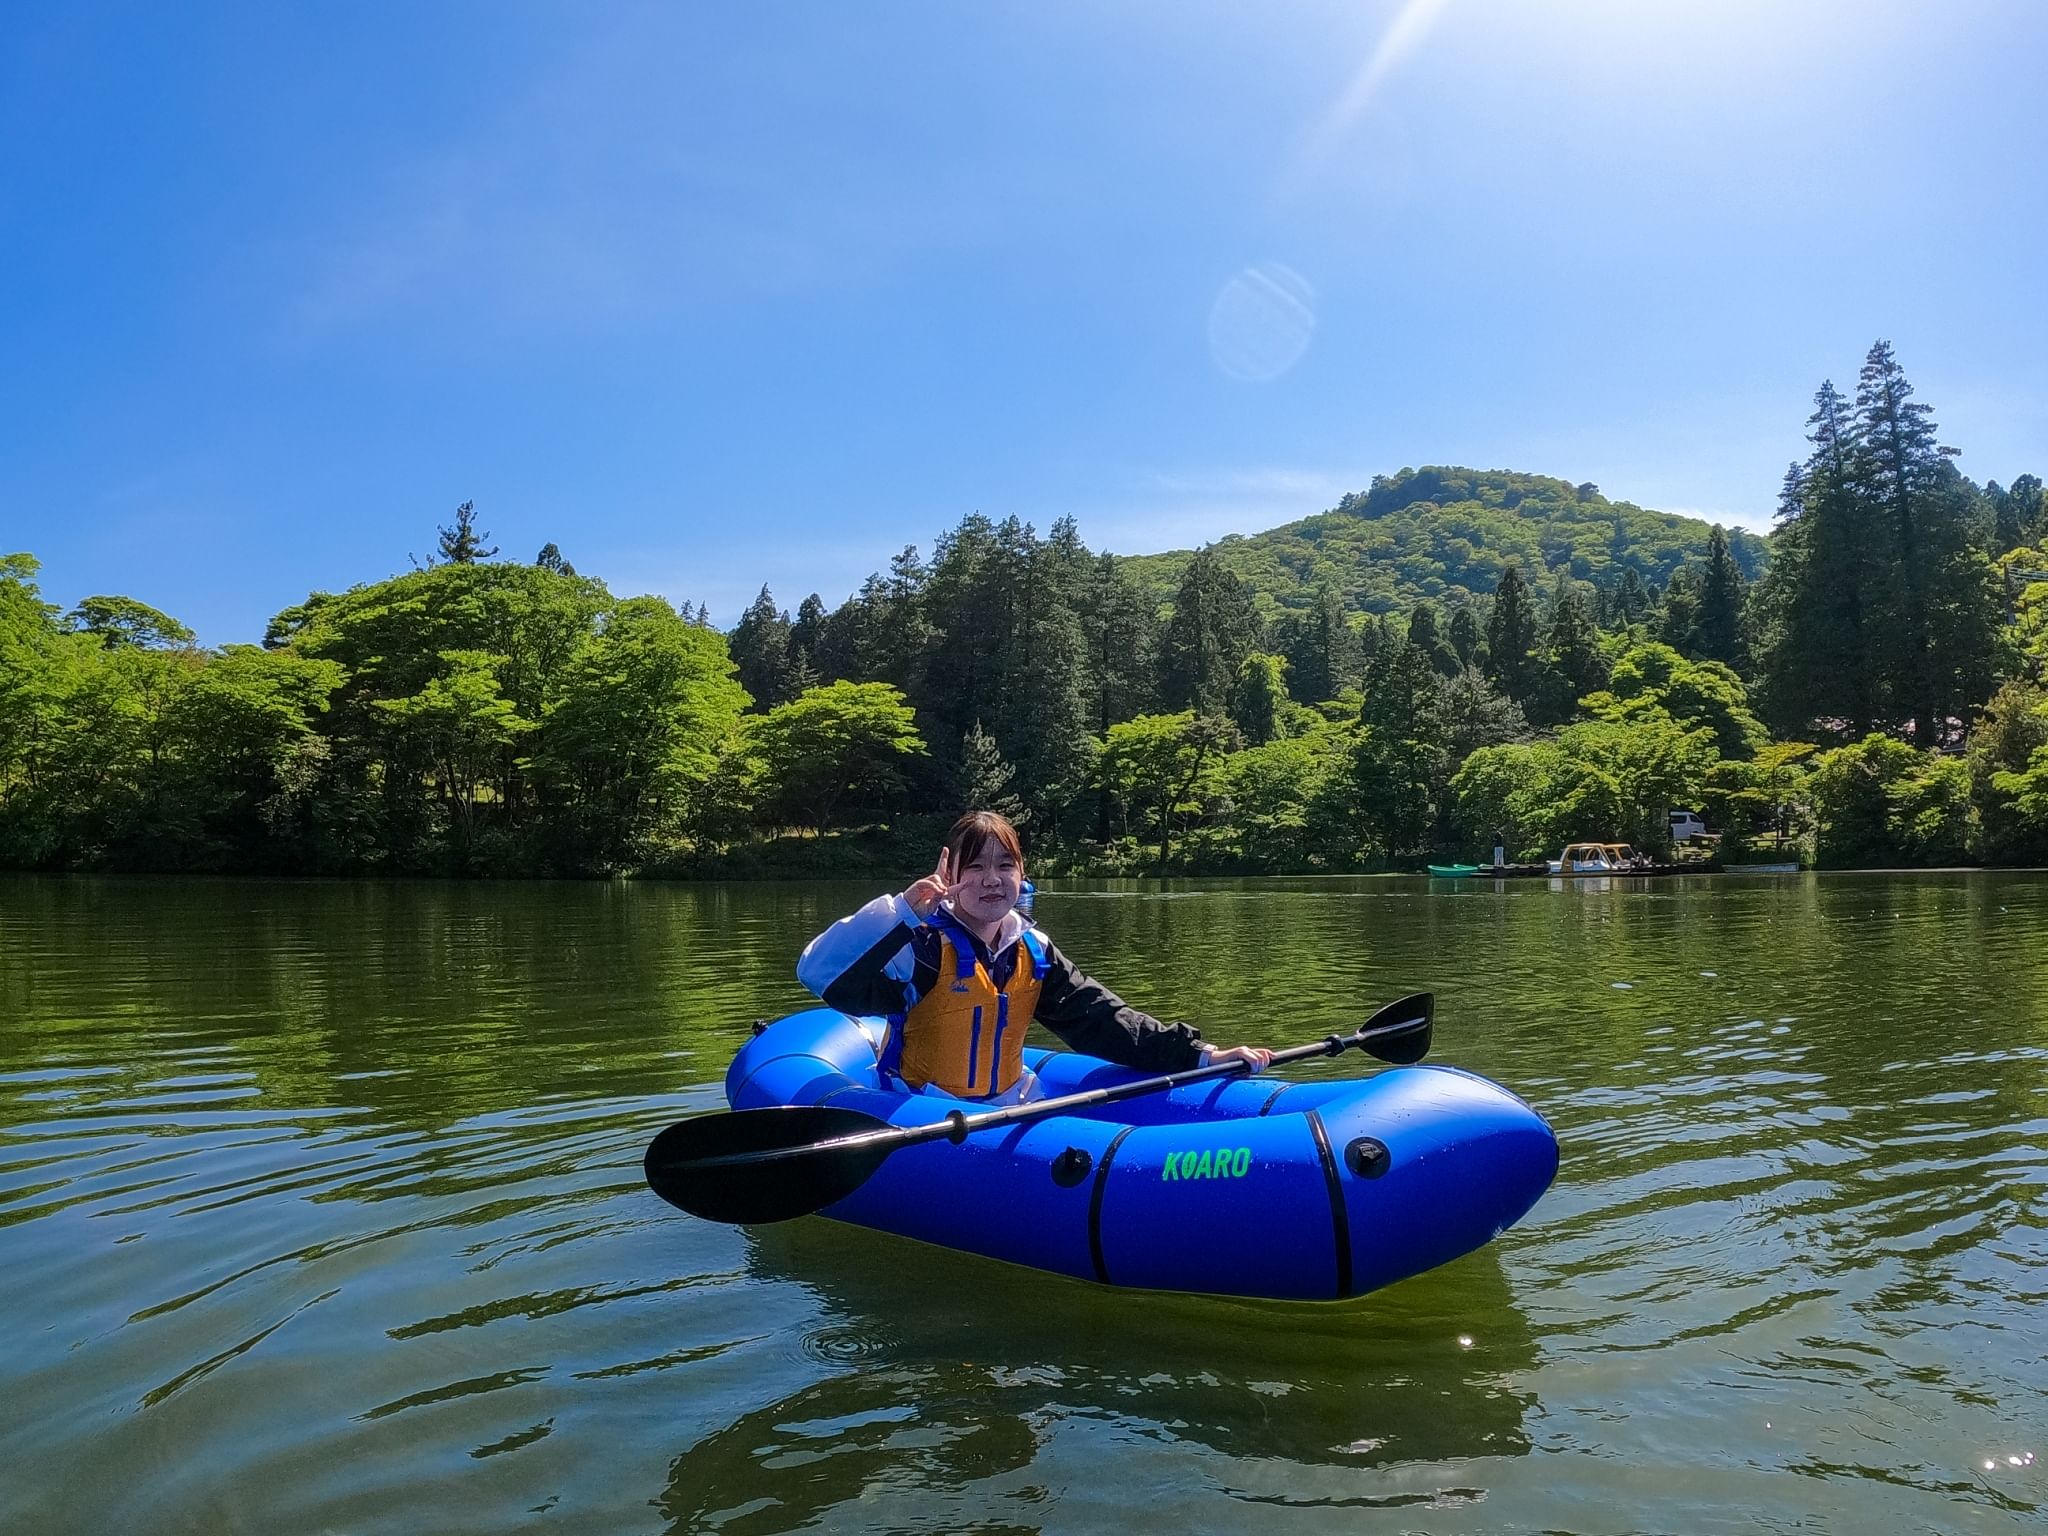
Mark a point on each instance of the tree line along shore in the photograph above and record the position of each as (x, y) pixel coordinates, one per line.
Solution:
(1449, 654)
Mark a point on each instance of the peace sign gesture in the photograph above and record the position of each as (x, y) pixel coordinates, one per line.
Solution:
(924, 897)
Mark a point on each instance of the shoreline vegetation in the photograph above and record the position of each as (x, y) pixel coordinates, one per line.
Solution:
(1386, 684)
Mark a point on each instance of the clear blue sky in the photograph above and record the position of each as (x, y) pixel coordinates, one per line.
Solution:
(712, 295)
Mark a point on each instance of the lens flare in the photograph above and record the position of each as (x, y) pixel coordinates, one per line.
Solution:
(1262, 322)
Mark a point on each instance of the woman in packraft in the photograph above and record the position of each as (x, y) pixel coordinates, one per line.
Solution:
(960, 975)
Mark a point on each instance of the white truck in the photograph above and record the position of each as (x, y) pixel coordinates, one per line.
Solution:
(1687, 825)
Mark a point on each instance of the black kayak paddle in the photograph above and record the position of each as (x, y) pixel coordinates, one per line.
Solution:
(762, 1165)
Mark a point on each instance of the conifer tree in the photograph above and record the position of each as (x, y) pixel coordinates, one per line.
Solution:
(849, 644)
(2020, 510)
(1511, 637)
(967, 602)
(1717, 620)
(1632, 597)
(1401, 690)
(1466, 640)
(1573, 665)
(1676, 618)
(1260, 704)
(1819, 673)
(901, 631)
(1213, 628)
(1899, 471)
(1428, 638)
(1396, 760)
(986, 781)
(1940, 656)
(1118, 628)
(1321, 649)
(462, 544)
(807, 632)
(760, 653)
(1042, 703)
(1845, 573)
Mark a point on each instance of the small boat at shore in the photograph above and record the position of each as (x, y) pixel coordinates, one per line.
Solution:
(1585, 859)
(1620, 859)
(1596, 859)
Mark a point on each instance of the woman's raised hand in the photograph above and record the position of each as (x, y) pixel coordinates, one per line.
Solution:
(924, 897)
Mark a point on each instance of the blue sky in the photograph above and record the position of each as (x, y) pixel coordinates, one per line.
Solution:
(712, 295)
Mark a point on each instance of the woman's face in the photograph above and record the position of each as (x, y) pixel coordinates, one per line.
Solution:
(988, 884)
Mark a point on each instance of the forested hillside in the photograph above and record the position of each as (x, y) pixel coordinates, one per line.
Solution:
(1571, 668)
(1447, 535)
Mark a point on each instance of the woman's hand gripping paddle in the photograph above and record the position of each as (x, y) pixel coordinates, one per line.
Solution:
(761, 1165)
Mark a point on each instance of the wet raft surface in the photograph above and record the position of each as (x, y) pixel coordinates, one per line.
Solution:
(1342, 1186)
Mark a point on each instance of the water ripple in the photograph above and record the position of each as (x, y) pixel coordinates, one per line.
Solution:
(334, 1192)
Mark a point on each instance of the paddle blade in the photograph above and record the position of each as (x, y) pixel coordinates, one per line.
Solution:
(761, 1165)
(1400, 1032)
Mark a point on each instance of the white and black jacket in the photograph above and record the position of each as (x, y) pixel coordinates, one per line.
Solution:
(883, 958)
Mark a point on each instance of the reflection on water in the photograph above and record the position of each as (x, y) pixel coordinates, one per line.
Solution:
(321, 1208)
(964, 1384)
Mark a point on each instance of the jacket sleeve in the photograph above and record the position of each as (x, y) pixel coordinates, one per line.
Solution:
(1091, 1018)
(864, 964)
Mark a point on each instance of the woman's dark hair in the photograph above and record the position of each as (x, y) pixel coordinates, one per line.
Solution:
(972, 834)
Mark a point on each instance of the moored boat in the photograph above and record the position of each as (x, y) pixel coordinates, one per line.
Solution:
(1238, 1186)
(1617, 859)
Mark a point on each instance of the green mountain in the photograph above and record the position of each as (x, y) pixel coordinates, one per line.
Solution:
(1447, 534)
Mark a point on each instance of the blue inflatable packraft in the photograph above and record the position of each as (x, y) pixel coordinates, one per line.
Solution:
(1236, 1186)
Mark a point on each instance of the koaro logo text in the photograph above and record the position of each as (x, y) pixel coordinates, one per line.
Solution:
(1224, 1163)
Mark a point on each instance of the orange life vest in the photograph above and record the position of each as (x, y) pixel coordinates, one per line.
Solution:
(966, 1035)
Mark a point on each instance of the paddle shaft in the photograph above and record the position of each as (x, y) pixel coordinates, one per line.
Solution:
(959, 1125)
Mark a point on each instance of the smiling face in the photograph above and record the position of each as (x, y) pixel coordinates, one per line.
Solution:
(986, 869)
(989, 883)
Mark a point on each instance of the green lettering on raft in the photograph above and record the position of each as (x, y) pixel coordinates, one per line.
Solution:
(1219, 1163)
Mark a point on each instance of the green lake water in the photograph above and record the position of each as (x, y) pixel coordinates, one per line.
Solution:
(321, 1210)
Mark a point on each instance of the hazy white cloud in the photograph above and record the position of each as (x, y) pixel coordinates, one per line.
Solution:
(455, 238)
(1753, 521)
(1184, 508)
(600, 194)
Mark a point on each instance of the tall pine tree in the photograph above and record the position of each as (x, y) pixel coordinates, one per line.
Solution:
(1322, 650)
(1717, 618)
(1573, 663)
(1213, 628)
(1119, 631)
(1941, 632)
(1427, 636)
(1899, 467)
(462, 544)
(1819, 672)
(1260, 706)
(1466, 641)
(1511, 637)
(760, 652)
